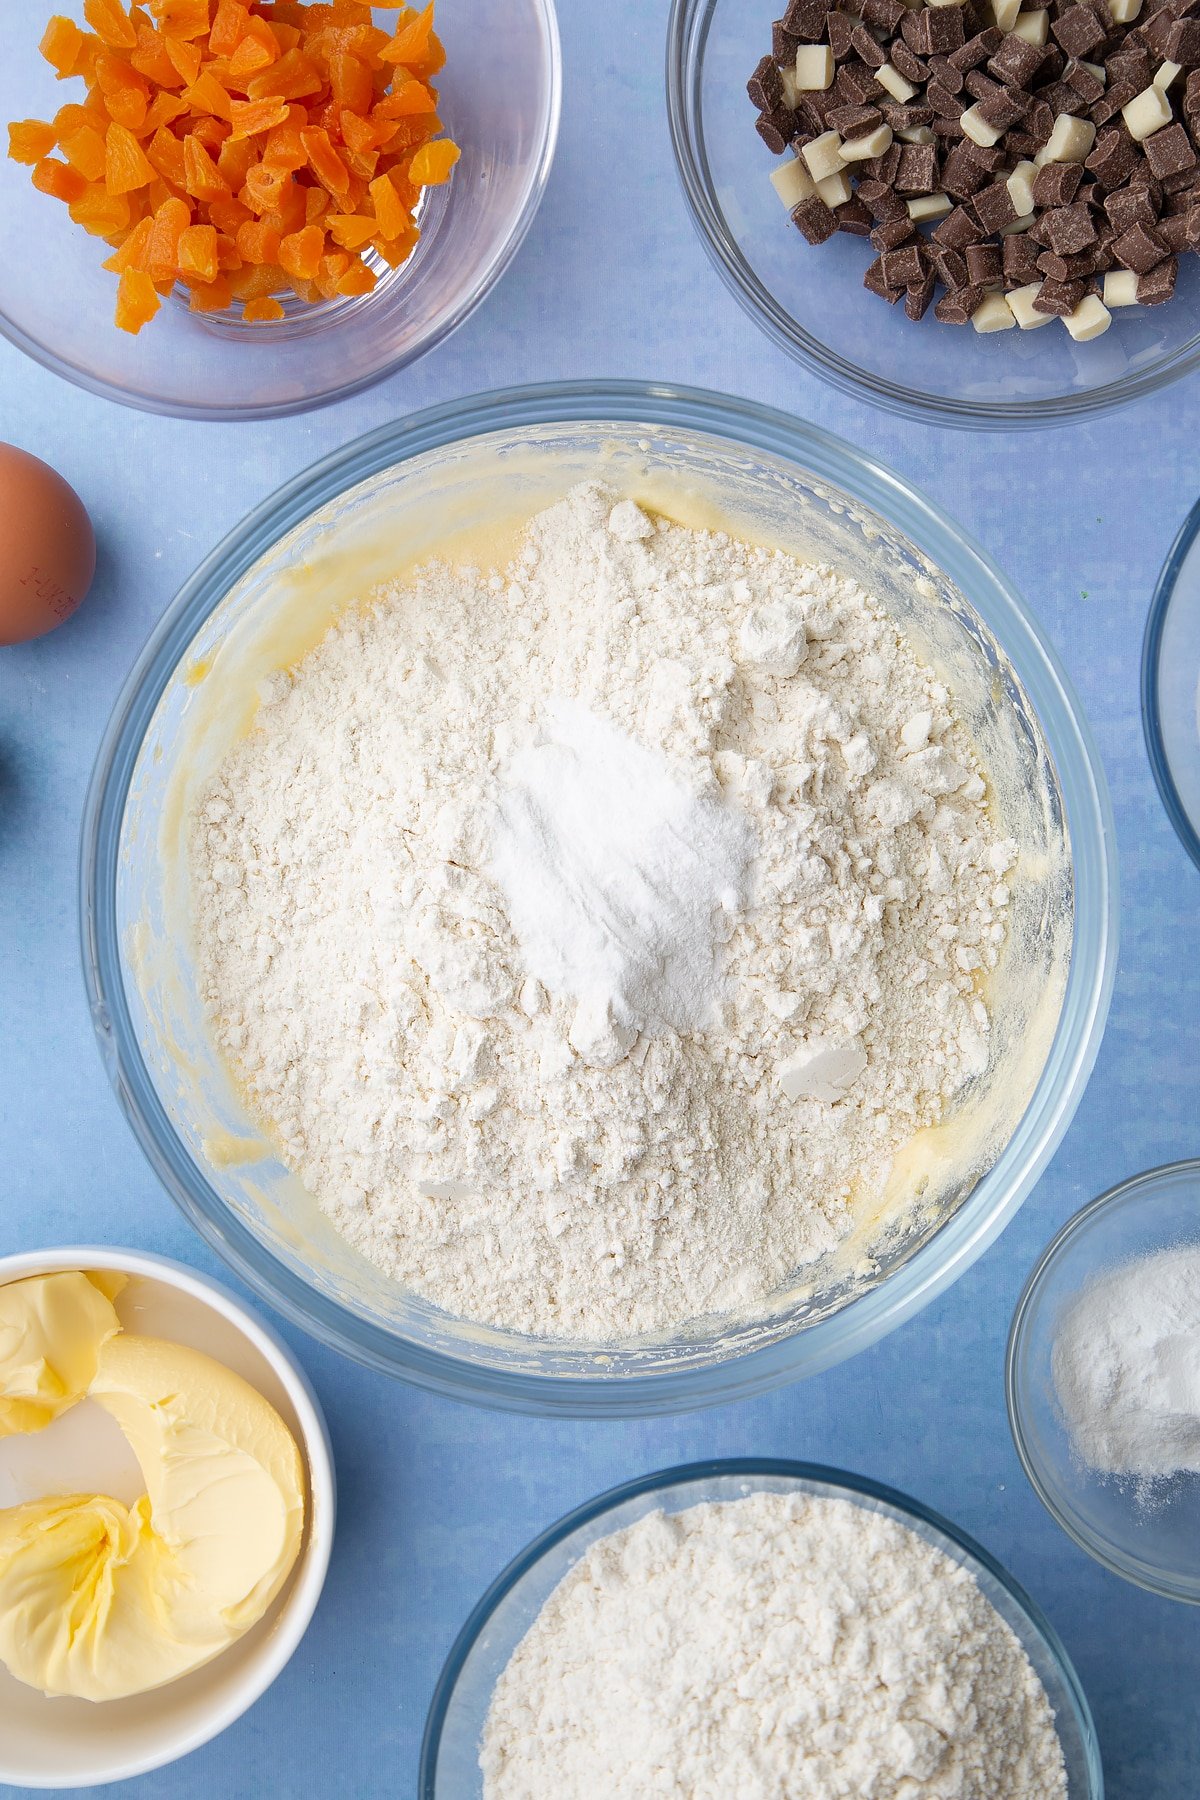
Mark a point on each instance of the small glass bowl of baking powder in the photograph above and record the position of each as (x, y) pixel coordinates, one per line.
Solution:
(1171, 684)
(1103, 1388)
(454, 1728)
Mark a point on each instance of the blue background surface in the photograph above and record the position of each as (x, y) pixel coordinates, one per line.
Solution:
(436, 1497)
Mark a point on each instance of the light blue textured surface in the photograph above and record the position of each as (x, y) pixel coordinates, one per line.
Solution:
(435, 1497)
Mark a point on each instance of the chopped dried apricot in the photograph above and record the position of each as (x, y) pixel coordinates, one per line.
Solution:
(242, 148)
(29, 140)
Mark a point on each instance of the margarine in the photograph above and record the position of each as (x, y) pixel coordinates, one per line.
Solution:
(52, 1328)
(100, 1600)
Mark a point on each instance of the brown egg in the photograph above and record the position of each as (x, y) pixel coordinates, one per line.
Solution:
(47, 547)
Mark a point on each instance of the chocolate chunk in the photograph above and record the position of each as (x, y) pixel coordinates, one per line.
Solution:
(765, 87)
(1129, 68)
(962, 176)
(784, 44)
(979, 85)
(984, 264)
(814, 219)
(811, 111)
(904, 266)
(1061, 97)
(1068, 268)
(906, 117)
(956, 307)
(1039, 120)
(918, 170)
(873, 280)
(884, 202)
(1055, 184)
(1191, 95)
(1158, 284)
(1019, 258)
(958, 229)
(1173, 185)
(854, 217)
(865, 44)
(1078, 31)
(841, 35)
(1016, 62)
(918, 294)
(1170, 152)
(948, 105)
(1003, 108)
(853, 121)
(805, 19)
(1112, 160)
(1174, 232)
(1139, 248)
(993, 207)
(934, 29)
(1065, 229)
(886, 14)
(946, 74)
(948, 129)
(883, 168)
(905, 59)
(776, 130)
(1157, 32)
(893, 233)
(1058, 298)
(1131, 206)
(1087, 84)
(951, 267)
(976, 50)
(1193, 227)
(855, 84)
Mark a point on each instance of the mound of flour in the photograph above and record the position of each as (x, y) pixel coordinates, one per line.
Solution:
(779, 1645)
(588, 936)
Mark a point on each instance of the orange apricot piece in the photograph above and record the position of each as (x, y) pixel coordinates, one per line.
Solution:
(137, 301)
(391, 217)
(263, 311)
(228, 26)
(186, 58)
(216, 297)
(358, 279)
(350, 231)
(168, 157)
(62, 45)
(85, 150)
(59, 180)
(101, 213)
(258, 242)
(325, 162)
(300, 252)
(249, 118)
(182, 18)
(126, 166)
(29, 140)
(197, 258)
(171, 220)
(201, 177)
(433, 162)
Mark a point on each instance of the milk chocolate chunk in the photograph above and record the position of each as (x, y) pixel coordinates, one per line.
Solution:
(1130, 206)
(777, 130)
(886, 15)
(1087, 84)
(1003, 108)
(865, 44)
(903, 267)
(984, 264)
(1067, 268)
(934, 29)
(958, 229)
(918, 169)
(950, 265)
(905, 58)
(1158, 283)
(962, 175)
(1019, 256)
(1078, 31)
(1170, 152)
(1139, 248)
(1060, 298)
(873, 280)
(993, 207)
(784, 44)
(841, 34)
(853, 121)
(918, 295)
(1065, 229)
(947, 74)
(956, 307)
(976, 50)
(814, 219)
(1174, 232)
(765, 86)
(1113, 159)
(854, 217)
(892, 233)
(1056, 183)
(805, 19)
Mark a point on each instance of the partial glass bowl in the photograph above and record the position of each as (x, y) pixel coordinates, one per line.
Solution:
(454, 1728)
(489, 460)
(1171, 685)
(499, 99)
(812, 302)
(1149, 1537)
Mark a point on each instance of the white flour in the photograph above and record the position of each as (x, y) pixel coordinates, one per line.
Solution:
(778, 1647)
(588, 937)
(1126, 1367)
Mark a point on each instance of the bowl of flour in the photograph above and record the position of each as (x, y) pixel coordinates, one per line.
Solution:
(598, 898)
(1104, 1380)
(757, 1627)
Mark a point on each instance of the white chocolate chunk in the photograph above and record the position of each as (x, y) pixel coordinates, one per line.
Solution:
(1168, 72)
(1020, 188)
(814, 68)
(929, 206)
(823, 1070)
(994, 314)
(1124, 12)
(792, 182)
(1089, 319)
(791, 93)
(873, 143)
(1146, 113)
(1120, 288)
(978, 129)
(835, 190)
(1099, 71)
(1022, 224)
(894, 82)
(822, 156)
(1034, 27)
(1070, 141)
(1020, 303)
(917, 134)
(1005, 13)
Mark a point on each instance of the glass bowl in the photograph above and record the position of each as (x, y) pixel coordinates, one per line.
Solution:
(813, 303)
(500, 96)
(507, 454)
(454, 1728)
(1150, 1537)
(1171, 685)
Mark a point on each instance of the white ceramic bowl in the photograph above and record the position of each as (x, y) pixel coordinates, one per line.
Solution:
(74, 1743)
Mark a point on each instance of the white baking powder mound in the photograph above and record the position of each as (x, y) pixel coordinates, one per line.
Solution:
(590, 935)
(778, 1647)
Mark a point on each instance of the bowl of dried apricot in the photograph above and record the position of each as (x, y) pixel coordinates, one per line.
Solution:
(251, 207)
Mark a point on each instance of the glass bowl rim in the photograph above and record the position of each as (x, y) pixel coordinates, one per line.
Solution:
(439, 330)
(690, 19)
(768, 1468)
(1187, 832)
(1098, 1548)
(998, 1193)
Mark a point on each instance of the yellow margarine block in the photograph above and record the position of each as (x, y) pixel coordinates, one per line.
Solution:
(100, 1600)
(52, 1328)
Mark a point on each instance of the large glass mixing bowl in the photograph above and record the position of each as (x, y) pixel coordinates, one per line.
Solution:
(394, 495)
